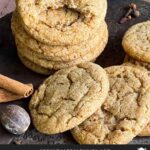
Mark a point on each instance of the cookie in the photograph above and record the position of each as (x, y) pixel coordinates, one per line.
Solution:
(34, 67)
(87, 17)
(56, 53)
(37, 68)
(56, 65)
(145, 131)
(136, 41)
(143, 65)
(125, 112)
(68, 97)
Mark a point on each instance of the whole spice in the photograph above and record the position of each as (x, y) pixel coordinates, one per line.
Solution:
(128, 12)
(126, 17)
(13, 90)
(129, 17)
(123, 20)
(131, 12)
(15, 119)
(133, 6)
(136, 13)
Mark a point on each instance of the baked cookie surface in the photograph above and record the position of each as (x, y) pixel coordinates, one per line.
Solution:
(34, 67)
(143, 65)
(56, 53)
(132, 61)
(125, 112)
(86, 16)
(56, 65)
(68, 97)
(145, 131)
(136, 41)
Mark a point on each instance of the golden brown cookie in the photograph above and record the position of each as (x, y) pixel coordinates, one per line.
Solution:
(37, 68)
(56, 65)
(68, 97)
(136, 41)
(34, 67)
(143, 65)
(145, 131)
(87, 16)
(125, 112)
(56, 53)
(131, 61)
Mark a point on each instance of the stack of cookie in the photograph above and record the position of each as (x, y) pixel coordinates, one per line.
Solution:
(51, 35)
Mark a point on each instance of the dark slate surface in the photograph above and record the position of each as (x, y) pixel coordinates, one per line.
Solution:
(113, 55)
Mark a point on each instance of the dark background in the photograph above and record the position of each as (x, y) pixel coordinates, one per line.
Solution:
(12, 67)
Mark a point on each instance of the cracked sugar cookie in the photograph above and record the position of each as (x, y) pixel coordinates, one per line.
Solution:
(68, 97)
(79, 23)
(143, 65)
(125, 112)
(136, 41)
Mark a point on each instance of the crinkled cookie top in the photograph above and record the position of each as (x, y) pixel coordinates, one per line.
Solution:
(68, 97)
(125, 112)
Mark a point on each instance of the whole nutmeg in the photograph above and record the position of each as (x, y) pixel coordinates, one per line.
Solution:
(15, 119)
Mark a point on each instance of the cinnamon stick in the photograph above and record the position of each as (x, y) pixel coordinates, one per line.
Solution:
(6, 96)
(12, 90)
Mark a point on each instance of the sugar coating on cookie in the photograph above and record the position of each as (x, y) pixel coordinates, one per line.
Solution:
(34, 67)
(86, 16)
(56, 53)
(143, 65)
(145, 131)
(131, 61)
(136, 41)
(56, 65)
(125, 112)
(68, 97)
